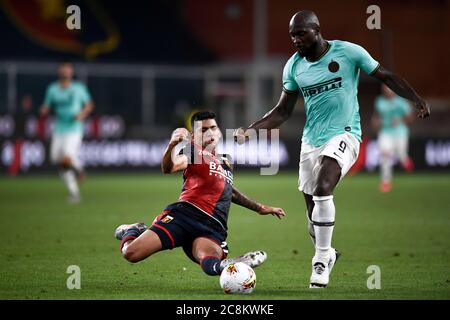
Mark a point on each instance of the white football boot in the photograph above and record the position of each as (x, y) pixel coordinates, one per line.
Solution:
(253, 259)
(320, 272)
(334, 256)
(320, 275)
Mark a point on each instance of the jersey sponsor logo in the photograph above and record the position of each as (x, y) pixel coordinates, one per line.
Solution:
(333, 66)
(217, 170)
(321, 87)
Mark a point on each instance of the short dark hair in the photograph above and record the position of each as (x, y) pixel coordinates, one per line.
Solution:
(202, 115)
(65, 62)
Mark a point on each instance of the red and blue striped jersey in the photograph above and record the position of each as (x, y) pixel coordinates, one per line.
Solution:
(207, 183)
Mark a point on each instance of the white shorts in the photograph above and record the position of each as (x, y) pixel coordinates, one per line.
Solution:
(63, 145)
(393, 146)
(344, 148)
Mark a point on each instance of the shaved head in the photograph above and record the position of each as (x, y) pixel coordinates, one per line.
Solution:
(305, 18)
(304, 29)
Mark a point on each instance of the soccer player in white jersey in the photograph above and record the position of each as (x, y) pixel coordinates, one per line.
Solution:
(326, 73)
(71, 103)
(392, 114)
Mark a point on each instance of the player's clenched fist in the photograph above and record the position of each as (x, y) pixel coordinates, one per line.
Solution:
(179, 135)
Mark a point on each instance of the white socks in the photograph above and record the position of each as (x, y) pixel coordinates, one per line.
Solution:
(323, 221)
(68, 176)
(386, 169)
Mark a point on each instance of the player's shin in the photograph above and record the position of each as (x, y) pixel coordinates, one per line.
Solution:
(211, 265)
(323, 220)
(386, 169)
(69, 179)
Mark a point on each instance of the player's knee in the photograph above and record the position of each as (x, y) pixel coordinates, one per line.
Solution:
(66, 162)
(131, 255)
(324, 188)
(213, 253)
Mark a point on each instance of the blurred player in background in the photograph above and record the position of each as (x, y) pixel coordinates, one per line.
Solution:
(19, 135)
(71, 103)
(391, 116)
(198, 220)
(326, 73)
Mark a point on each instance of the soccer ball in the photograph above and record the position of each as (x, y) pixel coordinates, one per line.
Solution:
(238, 278)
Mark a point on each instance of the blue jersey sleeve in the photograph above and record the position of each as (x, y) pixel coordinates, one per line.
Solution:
(85, 96)
(361, 58)
(406, 106)
(377, 105)
(289, 83)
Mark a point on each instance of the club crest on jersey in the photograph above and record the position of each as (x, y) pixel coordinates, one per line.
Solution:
(167, 219)
(333, 66)
(321, 87)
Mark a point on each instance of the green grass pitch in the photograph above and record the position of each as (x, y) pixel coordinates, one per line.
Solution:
(406, 233)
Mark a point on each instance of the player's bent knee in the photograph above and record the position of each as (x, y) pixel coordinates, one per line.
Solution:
(66, 162)
(131, 255)
(203, 247)
(324, 188)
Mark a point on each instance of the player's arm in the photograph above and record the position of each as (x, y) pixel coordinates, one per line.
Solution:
(375, 121)
(408, 118)
(45, 108)
(88, 105)
(85, 111)
(272, 119)
(401, 87)
(241, 199)
(171, 161)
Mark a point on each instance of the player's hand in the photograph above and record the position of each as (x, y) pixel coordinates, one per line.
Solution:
(423, 109)
(240, 135)
(276, 212)
(179, 135)
(395, 122)
(79, 117)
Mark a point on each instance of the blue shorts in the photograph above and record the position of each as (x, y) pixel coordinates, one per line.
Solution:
(181, 223)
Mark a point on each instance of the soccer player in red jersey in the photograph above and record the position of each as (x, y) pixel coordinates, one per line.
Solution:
(197, 222)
